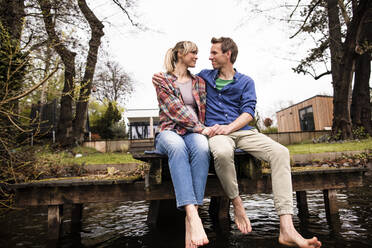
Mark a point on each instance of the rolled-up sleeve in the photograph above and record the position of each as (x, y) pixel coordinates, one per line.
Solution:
(249, 100)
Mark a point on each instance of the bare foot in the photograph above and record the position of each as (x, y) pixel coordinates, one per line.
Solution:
(241, 219)
(290, 237)
(194, 227)
(188, 243)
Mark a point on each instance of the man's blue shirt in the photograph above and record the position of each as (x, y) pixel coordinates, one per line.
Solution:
(227, 104)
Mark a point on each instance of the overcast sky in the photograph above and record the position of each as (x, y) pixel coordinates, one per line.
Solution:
(265, 51)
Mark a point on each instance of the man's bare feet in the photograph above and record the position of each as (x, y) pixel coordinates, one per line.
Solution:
(290, 237)
(194, 228)
(241, 219)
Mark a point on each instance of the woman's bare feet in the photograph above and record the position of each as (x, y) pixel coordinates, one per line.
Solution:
(241, 219)
(290, 237)
(195, 234)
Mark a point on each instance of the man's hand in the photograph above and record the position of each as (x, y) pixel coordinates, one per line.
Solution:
(219, 129)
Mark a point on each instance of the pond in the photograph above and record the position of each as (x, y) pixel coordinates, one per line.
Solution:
(124, 224)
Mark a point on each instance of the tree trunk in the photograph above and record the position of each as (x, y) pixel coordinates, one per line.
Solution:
(12, 72)
(64, 129)
(361, 106)
(86, 85)
(341, 116)
(11, 17)
(361, 103)
(342, 62)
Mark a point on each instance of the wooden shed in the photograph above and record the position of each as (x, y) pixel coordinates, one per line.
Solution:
(313, 114)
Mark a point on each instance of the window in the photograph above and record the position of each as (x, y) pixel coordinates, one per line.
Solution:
(307, 119)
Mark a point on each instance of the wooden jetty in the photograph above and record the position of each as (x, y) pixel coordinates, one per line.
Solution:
(158, 189)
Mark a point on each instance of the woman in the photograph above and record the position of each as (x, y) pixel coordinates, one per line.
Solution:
(182, 98)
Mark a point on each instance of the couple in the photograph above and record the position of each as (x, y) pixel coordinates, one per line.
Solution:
(207, 112)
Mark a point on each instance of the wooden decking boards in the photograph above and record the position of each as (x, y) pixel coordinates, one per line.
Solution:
(157, 187)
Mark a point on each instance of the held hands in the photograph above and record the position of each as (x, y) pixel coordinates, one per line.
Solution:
(216, 130)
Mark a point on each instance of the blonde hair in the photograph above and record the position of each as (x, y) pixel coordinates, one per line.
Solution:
(171, 58)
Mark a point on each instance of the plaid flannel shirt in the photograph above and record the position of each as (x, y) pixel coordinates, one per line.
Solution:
(173, 113)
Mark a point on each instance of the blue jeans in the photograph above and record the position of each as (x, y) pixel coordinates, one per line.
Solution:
(188, 159)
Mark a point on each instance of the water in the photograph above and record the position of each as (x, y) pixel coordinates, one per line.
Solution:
(124, 224)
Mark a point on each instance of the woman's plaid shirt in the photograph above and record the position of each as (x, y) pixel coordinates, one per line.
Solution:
(173, 113)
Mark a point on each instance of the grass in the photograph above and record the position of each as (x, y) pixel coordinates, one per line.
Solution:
(89, 156)
(92, 156)
(331, 147)
(104, 158)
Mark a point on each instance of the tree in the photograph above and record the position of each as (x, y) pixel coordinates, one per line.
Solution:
(341, 36)
(86, 85)
(112, 83)
(361, 106)
(268, 122)
(70, 130)
(109, 119)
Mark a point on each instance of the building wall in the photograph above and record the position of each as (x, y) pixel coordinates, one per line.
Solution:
(289, 120)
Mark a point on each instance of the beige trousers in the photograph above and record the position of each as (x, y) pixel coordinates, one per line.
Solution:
(261, 147)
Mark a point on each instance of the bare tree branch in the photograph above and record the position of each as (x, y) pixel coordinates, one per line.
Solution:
(343, 11)
(307, 17)
(323, 74)
(31, 89)
(298, 3)
(126, 12)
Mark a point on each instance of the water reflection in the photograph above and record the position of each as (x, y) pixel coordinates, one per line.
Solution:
(124, 224)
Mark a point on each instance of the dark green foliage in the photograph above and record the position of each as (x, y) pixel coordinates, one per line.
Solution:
(107, 122)
(13, 67)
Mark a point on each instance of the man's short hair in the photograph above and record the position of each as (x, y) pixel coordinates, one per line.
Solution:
(226, 45)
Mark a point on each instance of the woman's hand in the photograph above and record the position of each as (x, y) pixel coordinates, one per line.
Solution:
(158, 76)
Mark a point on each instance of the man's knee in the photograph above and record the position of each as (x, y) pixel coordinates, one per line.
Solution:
(223, 155)
(280, 152)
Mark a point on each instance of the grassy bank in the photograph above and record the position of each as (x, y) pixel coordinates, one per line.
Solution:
(361, 145)
(84, 155)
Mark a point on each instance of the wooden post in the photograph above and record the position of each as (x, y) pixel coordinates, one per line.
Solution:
(164, 213)
(303, 210)
(153, 214)
(76, 215)
(331, 208)
(248, 167)
(330, 201)
(219, 209)
(155, 173)
(55, 213)
(151, 127)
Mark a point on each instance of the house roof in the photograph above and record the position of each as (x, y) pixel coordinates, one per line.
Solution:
(138, 113)
(304, 101)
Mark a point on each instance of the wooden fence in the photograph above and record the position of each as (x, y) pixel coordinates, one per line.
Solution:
(123, 145)
(288, 138)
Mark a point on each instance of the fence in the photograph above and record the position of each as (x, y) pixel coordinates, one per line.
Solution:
(288, 138)
(123, 145)
(108, 145)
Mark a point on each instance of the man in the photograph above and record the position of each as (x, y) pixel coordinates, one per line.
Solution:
(231, 101)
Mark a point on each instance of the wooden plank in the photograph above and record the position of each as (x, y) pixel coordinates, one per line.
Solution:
(116, 191)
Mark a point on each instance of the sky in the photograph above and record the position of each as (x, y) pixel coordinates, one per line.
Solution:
(266, 53)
